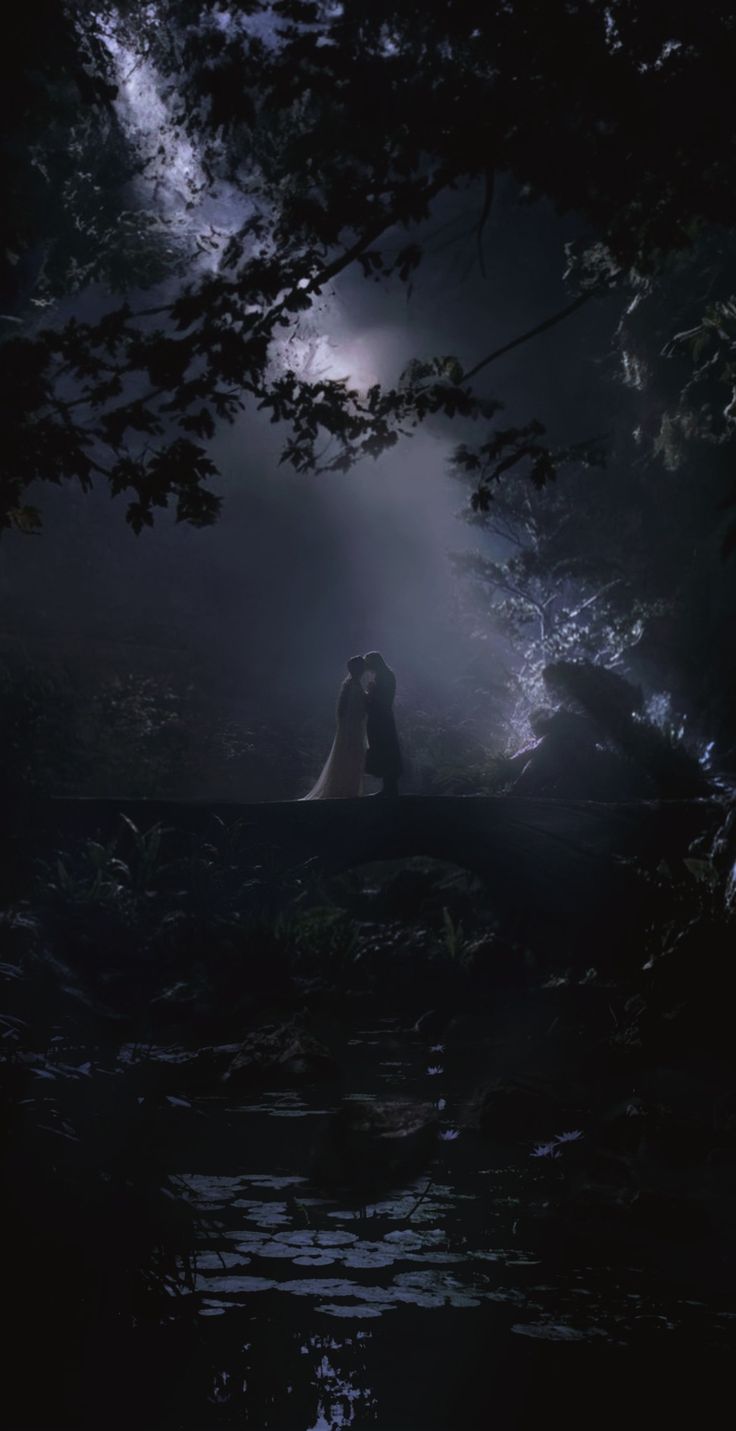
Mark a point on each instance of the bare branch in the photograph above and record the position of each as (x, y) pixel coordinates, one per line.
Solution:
(532, 333)
(485, 211)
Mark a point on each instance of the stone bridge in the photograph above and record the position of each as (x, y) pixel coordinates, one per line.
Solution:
(543, 860)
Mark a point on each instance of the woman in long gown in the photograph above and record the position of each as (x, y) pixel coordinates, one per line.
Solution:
(342, 776)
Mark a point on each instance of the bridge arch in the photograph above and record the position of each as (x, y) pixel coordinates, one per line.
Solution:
(545, 859)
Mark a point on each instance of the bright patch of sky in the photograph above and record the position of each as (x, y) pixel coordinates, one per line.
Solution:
(200, 212)
(199, 215)
(361, 358)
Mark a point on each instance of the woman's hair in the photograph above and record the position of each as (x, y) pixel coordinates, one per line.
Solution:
(356, 665)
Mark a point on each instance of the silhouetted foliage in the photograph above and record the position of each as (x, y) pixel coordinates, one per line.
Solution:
(605, 108)
(616, 708)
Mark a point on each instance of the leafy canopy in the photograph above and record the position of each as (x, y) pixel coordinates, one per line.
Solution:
(336, 125)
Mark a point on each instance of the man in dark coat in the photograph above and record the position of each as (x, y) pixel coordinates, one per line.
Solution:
(383, 757)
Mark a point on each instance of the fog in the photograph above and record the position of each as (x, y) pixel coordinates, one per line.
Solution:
(300, 572)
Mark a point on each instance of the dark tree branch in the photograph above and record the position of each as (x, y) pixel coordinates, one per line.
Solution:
(532, 333)
(347, 256)
(485, 211)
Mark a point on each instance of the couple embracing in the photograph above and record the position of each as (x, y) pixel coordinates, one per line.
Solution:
(365, 739)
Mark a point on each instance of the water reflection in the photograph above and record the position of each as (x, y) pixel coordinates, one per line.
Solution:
(339, 1396)
(280, 1262)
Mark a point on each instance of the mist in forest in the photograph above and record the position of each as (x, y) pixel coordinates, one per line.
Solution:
(258, 613)
(300, 572)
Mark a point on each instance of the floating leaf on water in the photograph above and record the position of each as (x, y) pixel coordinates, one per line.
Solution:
(271, 1180)
(226, 1285)
(548, 1331)
(219, 1261)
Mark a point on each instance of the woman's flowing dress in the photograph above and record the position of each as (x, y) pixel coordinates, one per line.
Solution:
(342, 775)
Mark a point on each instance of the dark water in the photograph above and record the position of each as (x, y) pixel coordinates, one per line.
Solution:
(430, 1304)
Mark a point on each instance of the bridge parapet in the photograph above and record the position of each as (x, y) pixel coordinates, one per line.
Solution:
(555, 856)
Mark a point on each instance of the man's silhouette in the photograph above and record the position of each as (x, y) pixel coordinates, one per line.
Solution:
(383, 757)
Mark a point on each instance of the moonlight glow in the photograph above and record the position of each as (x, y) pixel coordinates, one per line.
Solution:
(199, 215)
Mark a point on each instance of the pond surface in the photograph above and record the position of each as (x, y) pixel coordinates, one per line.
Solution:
(424, 1305)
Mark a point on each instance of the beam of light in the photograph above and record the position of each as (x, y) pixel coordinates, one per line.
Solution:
(355, 359)
(199, 215)
(332, 350)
